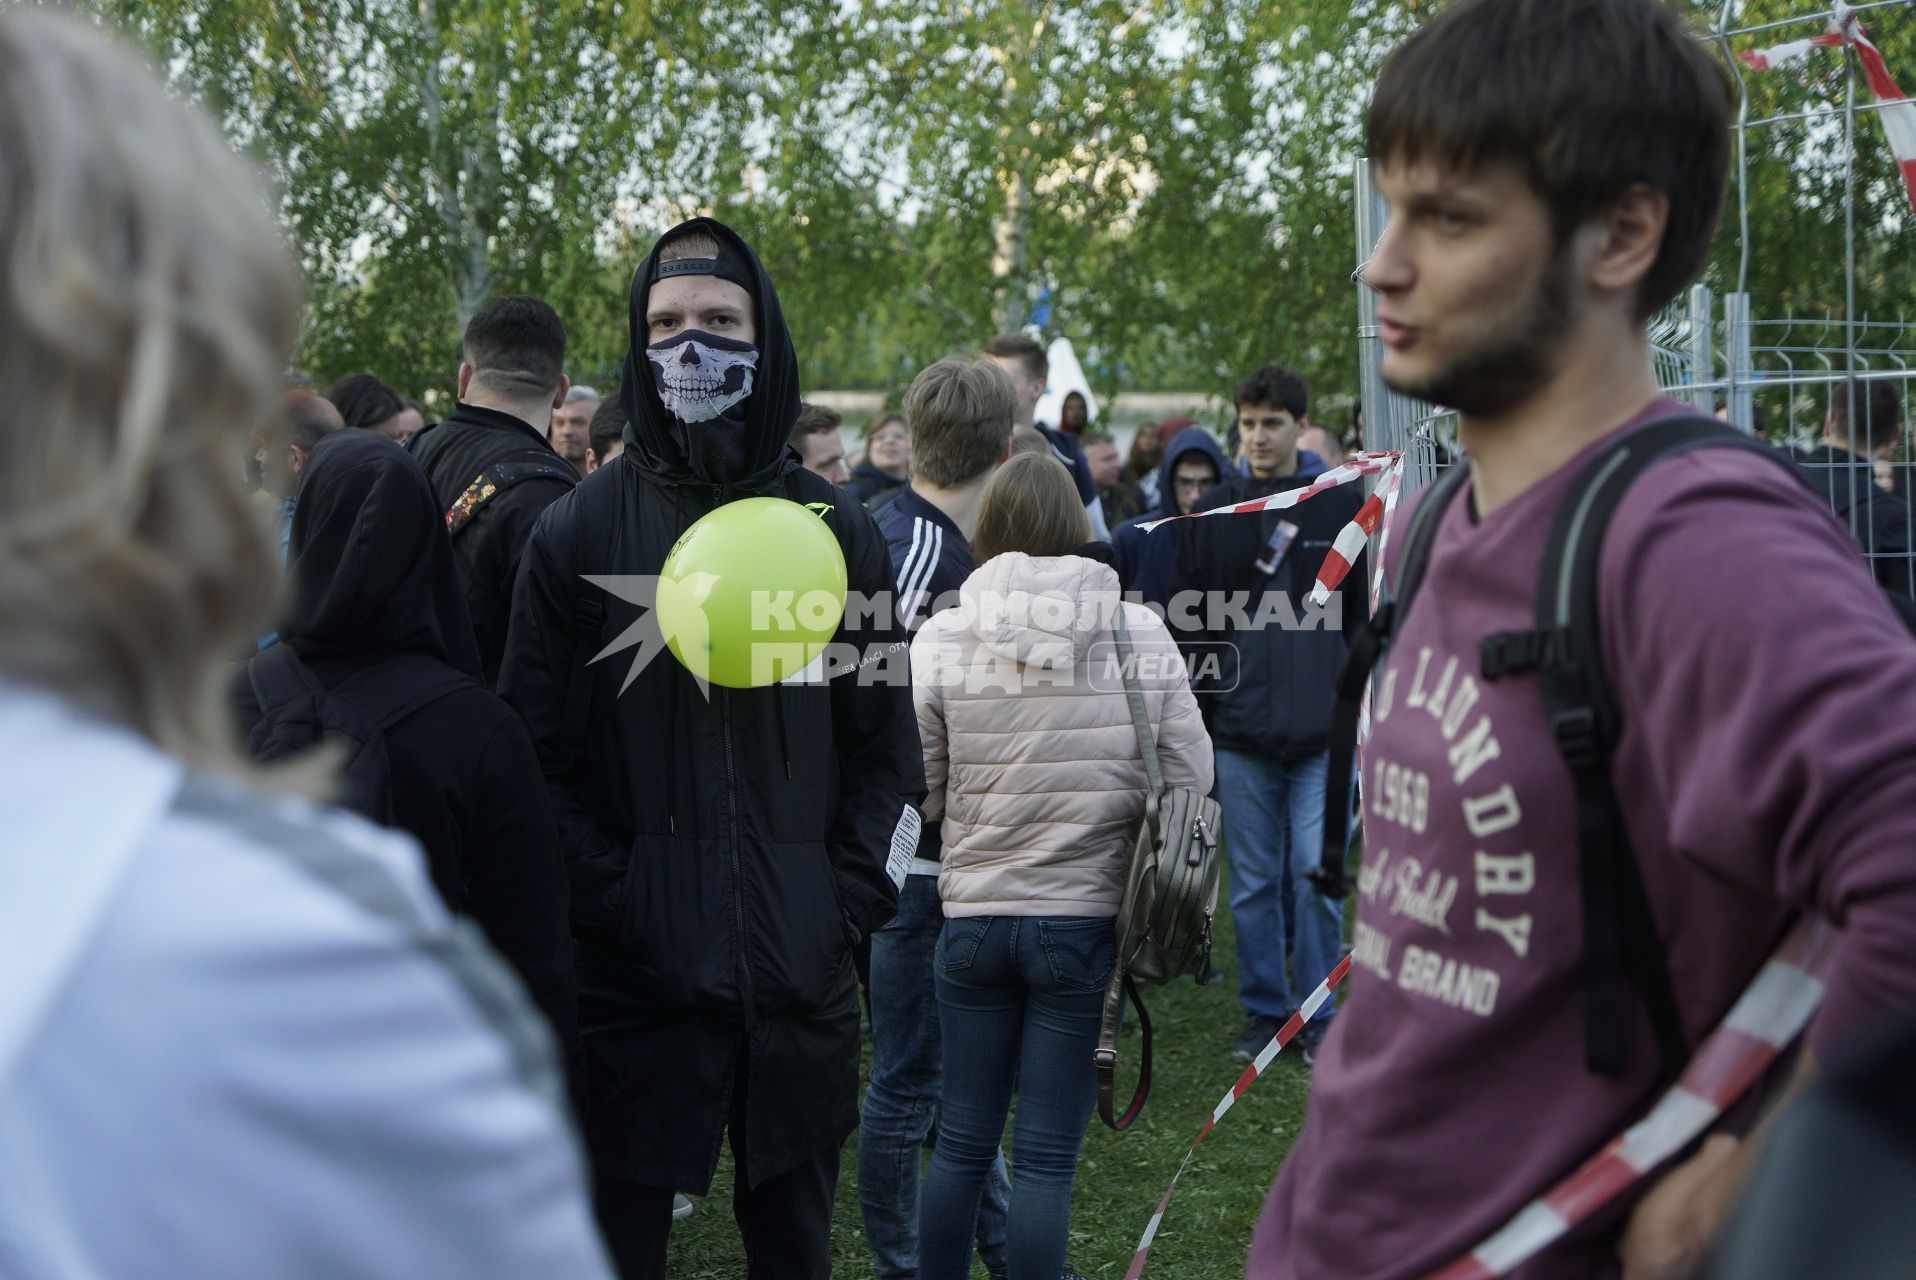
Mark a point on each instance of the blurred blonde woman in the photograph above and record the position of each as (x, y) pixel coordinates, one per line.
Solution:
(886, 466)
(1032, 765)
(238, 1035)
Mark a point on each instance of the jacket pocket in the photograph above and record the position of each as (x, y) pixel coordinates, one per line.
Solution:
(676, 931)
(1080, 952)
(958, 944)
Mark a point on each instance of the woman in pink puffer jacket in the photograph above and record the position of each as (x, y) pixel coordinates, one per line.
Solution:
(1033, 768)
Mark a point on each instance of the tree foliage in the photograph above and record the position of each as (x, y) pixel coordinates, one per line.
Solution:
(1172, 178)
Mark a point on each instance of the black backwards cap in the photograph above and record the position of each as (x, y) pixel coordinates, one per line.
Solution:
(729, 265)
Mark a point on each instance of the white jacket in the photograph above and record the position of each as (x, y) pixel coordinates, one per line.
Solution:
(240, 1037)
(1031, 760)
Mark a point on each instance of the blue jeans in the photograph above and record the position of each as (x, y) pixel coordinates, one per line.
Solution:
(901, 1100)
(1274, 835)
(1019, 998)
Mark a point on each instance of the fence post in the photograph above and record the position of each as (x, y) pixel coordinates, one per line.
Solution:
(1388, 417)
(1702, 349)
(1736, 326)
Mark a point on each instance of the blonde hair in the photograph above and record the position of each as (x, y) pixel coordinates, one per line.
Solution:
(694, 243)
(147, 309)
(1031, 505)
(960, 412)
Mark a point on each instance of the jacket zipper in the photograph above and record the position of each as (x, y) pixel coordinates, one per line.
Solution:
(732, 858)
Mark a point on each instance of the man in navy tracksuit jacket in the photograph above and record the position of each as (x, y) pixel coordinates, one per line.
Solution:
(961, 412)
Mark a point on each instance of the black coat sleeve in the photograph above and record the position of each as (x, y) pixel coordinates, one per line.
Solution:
(881, 769)
(518, 879)
(505, 529)
(536, 679)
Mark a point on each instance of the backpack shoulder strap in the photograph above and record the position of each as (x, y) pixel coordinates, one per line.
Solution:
(1367, 650)
(389, 692)
(496, 479)
(277, 676)
(1565, 649)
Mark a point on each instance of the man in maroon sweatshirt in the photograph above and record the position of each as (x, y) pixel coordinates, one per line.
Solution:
(1554, 171)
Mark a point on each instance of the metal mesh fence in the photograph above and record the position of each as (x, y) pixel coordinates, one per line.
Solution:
(1818, 387)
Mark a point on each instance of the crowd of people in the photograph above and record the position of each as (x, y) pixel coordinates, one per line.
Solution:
(428, 923)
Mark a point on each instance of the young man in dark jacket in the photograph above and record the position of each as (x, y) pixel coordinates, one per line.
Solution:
(491, 466)
(1266, 682)
(961, 411)
(728, 847)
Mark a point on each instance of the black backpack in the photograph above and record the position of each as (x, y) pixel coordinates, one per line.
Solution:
(298, 713)
(1564, 652)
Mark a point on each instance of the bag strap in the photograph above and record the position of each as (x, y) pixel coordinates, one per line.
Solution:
(1106, 1055)
(496, 479)
(1367, 651)
(389, 692)
(1140, 720)
(277, 676)
(1565, 650)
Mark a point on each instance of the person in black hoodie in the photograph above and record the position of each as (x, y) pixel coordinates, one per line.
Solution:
(1865, 417)
(374, 594)
(1145, 559)
(728, 847)
(492, 469)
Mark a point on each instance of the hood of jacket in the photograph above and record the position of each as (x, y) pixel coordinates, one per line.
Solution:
(369, 559)
(770, 411)
(1189, 440)
(1040, 611)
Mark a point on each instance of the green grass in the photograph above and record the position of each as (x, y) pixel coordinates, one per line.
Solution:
(1207, 1230)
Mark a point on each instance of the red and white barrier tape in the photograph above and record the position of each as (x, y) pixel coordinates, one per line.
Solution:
(1363, 464)
(1285, 1034)
(1897, 112)
(1352, 539)
(1770, 1014)
(1393, 489)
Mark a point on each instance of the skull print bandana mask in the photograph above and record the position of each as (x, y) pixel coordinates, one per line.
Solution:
(703, 381)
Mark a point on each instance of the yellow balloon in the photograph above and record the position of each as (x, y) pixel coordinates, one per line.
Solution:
(752, 592)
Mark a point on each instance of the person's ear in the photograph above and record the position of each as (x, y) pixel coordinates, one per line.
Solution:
(558, 397)
(1629, 237)
(591, 460)
(465, 378)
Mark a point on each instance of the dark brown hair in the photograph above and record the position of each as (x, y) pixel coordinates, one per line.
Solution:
(815, 420)
(1031, 505)
(516, 346)
(1870, 409)
(1586, 98)
(1023, 347)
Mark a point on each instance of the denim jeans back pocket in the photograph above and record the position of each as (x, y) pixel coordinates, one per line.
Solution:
(958, 944)
(1081, 952)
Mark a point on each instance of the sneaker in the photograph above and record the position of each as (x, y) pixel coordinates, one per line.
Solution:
(1310, 1038)
(681, 1208)
(1258, 1031)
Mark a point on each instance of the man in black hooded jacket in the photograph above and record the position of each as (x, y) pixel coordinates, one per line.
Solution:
(727, 847)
